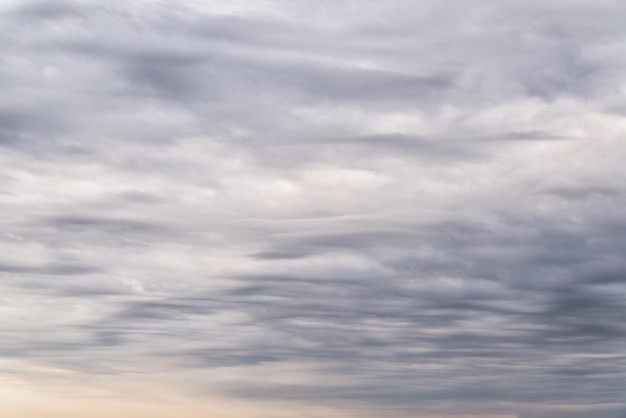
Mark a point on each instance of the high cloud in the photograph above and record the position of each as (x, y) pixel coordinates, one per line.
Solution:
(382, 208)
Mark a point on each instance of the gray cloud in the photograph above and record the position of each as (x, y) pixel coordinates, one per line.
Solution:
(407, 208)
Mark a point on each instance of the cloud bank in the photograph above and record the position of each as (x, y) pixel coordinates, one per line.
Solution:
(387, 209)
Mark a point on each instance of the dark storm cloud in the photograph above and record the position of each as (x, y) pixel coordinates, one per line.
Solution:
(411, 205)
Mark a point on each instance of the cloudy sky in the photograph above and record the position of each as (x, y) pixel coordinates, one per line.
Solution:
(307, 209)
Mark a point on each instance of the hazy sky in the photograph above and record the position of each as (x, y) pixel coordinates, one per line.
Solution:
(307, 209)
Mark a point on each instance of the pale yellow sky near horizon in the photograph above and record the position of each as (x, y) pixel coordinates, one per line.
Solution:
(44, 391)
(48, 392)
(20, 400)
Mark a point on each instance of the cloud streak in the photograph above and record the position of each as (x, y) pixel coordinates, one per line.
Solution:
(381, 210)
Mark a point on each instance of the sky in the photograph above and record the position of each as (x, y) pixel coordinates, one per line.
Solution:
(306, 209)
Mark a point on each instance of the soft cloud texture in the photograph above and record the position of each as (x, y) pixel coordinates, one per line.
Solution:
(306, 209)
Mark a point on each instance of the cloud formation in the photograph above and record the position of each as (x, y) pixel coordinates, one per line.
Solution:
(407, 209)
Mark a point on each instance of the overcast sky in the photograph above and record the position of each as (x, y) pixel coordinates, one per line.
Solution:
(307, 209)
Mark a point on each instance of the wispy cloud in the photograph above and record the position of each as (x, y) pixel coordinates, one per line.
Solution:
(407, 209)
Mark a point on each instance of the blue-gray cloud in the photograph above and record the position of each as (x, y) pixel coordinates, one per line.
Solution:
(412, 207)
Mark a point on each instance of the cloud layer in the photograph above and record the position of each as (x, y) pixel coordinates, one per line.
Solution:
(411, 208)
